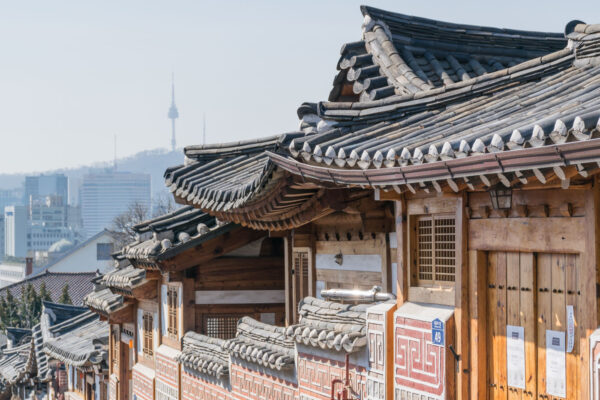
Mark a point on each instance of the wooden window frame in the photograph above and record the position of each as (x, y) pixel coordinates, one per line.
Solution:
(148, 339)
(427, 292)
(173, 311)
(436, 251)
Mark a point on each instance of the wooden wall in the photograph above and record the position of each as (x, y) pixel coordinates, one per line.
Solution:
(518, 267)
(263, 272)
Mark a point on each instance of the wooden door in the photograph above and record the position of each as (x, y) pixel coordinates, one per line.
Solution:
(511, 301)
(533, 292)
(557, 289)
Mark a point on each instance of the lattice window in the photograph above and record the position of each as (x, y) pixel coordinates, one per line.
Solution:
(220, 326)
(301, 266)
(148, 328)
(435, 249)
(172, 309)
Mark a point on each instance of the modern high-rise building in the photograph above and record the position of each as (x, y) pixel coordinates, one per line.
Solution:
(104, 196)
(2, 235)
(40, 186)
(15, 231)
(10, 197)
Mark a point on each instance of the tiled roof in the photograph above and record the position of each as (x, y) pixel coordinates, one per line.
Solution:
(461, 107)
(204, 354)
(262, 344)
(403, 55)
(104, 300)
(124, 278)
(329, 325)
(81, 341)
(164, 237)
(14, 363)
(80, 284)
(223, 176)
(54, 317)
(18, 335)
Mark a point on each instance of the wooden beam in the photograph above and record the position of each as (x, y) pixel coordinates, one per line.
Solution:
(561, 235)
(478, 327)
(211, 249)
(122, 315)
(147, 290)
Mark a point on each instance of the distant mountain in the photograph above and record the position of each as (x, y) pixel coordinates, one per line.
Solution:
(153, 162)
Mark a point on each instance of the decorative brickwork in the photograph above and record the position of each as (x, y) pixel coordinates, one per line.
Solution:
(420, 366)
(378, 340)
(195, 386)
(252, 384)
(143, 382)
(167, 374)
(315, 374)
(113, 387)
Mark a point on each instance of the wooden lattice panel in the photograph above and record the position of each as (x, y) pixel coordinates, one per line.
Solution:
(221, 326)
(436, 248)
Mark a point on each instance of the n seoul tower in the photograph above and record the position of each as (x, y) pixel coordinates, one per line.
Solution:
(173, 113)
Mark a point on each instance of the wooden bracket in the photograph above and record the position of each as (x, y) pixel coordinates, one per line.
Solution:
(566, 210)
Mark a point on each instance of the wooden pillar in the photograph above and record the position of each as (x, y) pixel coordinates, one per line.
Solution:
(401, 252)
(478, 323)
(189, 305)
(289, 303)
(461, 312)
(588, 279)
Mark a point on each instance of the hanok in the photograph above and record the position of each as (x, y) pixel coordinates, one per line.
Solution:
(187, 271)
(456, 165)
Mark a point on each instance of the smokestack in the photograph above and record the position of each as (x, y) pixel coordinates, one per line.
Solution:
(28, 266)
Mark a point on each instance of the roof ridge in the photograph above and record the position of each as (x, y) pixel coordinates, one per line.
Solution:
(368, 10)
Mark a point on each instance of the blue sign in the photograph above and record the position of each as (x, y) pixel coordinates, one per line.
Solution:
(437, 332)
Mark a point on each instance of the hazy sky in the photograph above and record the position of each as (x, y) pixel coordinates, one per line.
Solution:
(76, 73)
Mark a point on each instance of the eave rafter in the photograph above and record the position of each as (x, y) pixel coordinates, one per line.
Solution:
(561, 163)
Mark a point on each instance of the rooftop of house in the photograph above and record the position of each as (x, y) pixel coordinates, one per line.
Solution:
(80, 284)
(81, 341)
(56, 318)
(417, 105)
(167, 235)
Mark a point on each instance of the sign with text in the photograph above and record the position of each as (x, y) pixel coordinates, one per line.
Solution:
(515, 356)
(437, 332)
(556, 376)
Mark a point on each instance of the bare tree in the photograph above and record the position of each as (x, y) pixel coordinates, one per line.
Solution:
(163, 204)
(122, 226)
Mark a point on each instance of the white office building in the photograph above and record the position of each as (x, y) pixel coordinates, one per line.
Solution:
(15, 231)
(104, 196)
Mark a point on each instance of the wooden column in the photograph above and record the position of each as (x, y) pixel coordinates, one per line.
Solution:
(478, 323)
(401, 255)
(588, 279)
(189, 305)
(289, 304)
(461, 312)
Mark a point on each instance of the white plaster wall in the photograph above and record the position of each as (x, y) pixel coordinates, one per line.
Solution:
(84, 259)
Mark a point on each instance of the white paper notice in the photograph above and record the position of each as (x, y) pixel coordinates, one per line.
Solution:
(556, 377)
(570, 329)
(515, 356)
